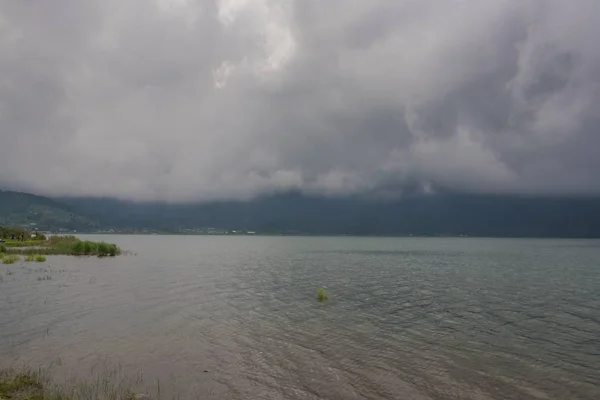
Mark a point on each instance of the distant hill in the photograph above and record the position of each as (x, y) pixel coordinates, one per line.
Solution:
(447, 214)
(41, 213)
(440, 215)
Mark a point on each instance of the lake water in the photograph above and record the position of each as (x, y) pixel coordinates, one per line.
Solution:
(237, 318)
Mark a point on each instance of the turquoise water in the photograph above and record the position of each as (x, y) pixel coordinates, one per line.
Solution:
(236, 317)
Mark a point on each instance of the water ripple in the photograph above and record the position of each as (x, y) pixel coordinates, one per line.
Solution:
(407, 318)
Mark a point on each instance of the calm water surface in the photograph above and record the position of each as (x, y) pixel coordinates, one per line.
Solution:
(236, 317)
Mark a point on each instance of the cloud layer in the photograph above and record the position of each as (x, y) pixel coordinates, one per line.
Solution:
(182, 100)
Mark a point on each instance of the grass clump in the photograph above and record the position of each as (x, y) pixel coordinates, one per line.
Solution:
(35, 257)
(20, 386)
(73, 246)
(10, 259)
(322, 294)
(106, 384)
(25, 386)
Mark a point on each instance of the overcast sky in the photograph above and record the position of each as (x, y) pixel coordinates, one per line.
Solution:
(183, 100)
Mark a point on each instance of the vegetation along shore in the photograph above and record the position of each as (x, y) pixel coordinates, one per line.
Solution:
(16, 241)
(37, 385)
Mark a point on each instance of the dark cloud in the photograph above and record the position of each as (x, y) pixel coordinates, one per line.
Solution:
(191, 100)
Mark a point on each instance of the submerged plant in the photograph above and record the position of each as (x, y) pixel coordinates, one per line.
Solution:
(322, 294)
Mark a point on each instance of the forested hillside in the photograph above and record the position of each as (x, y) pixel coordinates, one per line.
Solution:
(41, 213)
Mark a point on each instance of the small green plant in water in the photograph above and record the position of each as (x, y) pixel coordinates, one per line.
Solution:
(29, 258)
(322, 294)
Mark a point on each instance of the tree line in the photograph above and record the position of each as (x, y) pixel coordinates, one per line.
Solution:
(16, 233)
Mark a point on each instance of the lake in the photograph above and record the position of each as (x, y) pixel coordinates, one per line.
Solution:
(237, 317)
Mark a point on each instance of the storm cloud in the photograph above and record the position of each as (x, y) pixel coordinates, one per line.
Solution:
(182, 100)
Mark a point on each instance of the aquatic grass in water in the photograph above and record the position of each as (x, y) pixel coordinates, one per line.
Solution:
(70, 245)
(10, 259)
(35, 257)
(26, 243)
(33, 386)
(322, 294)
(86, 247)
(106, 384)
(21, 386)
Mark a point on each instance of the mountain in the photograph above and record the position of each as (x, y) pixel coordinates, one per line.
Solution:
(448, 214)
(40, 213)
(444, 214)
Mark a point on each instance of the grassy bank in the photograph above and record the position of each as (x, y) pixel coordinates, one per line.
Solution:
(26, 243)
(23, 387)
(30, 385)
(27, 386)
(64, 245)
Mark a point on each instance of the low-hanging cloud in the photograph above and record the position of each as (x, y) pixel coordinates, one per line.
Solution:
(182, 100)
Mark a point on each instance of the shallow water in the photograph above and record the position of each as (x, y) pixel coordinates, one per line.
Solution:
(236, 317)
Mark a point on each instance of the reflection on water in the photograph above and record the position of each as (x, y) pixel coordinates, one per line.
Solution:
(236, 317)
